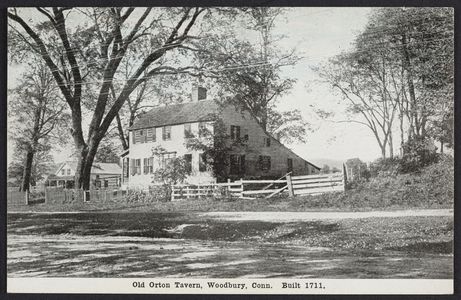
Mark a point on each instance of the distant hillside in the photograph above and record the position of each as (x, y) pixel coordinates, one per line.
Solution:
(320, 162)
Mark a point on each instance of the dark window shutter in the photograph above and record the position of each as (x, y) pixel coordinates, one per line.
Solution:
(133, 167)
(242, 164)
(126, 164)
(233, 164)
(148, 134)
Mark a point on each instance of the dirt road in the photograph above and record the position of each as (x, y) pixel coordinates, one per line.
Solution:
(309, 216)
(404, 244)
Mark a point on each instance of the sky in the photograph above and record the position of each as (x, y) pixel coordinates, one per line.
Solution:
(322, 33)
(319, 33)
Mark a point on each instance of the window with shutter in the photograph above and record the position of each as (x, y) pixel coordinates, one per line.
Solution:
(146, 166)
(150, 135)
(237, 164)
(166, 132)
(267, 141)
(138, 166)
(142, 134)
(235, 132)
(133, 167)
(264, 162)
(151, 165)
(137, 136)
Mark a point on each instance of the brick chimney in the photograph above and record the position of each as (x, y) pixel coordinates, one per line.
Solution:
(198, 93)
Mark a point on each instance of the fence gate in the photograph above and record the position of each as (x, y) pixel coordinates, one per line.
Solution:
(316, 184)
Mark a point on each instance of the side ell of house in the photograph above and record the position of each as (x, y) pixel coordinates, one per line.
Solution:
(102, 175)
(171, 127)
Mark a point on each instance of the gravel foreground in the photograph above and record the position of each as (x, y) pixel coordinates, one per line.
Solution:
(403, 244)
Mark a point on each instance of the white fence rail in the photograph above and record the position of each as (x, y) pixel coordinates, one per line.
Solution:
(295, 185)
(317, 184)
(189, 191)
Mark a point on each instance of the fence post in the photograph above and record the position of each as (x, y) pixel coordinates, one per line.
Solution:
(172, 192)
(290, 186)
(344, 177)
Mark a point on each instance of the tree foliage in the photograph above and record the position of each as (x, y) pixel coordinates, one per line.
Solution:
(216, 145)
(84, 49)
(248, 73)
(169, 172)
(36, 114)
(287, 126)
(107, 153)
(357, 170)
(401, 68)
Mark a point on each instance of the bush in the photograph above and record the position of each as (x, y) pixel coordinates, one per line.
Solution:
(385, 167)
(135, 196)
(416, 156)
(155, 193)
(160, 193)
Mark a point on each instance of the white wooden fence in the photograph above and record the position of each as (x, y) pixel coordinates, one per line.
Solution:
(295, 185)
(190, 191)
(59, 195)
(317, 184)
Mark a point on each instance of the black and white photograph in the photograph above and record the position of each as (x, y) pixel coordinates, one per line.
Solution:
(230, 150)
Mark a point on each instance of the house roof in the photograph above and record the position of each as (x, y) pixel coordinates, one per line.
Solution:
(97, 168)
(105, 168)
(280, 143)
(188, 112)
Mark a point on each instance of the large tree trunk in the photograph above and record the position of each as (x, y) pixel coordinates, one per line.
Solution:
(414, 120)
(383, 151)
(25, 186)
(84, 164)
